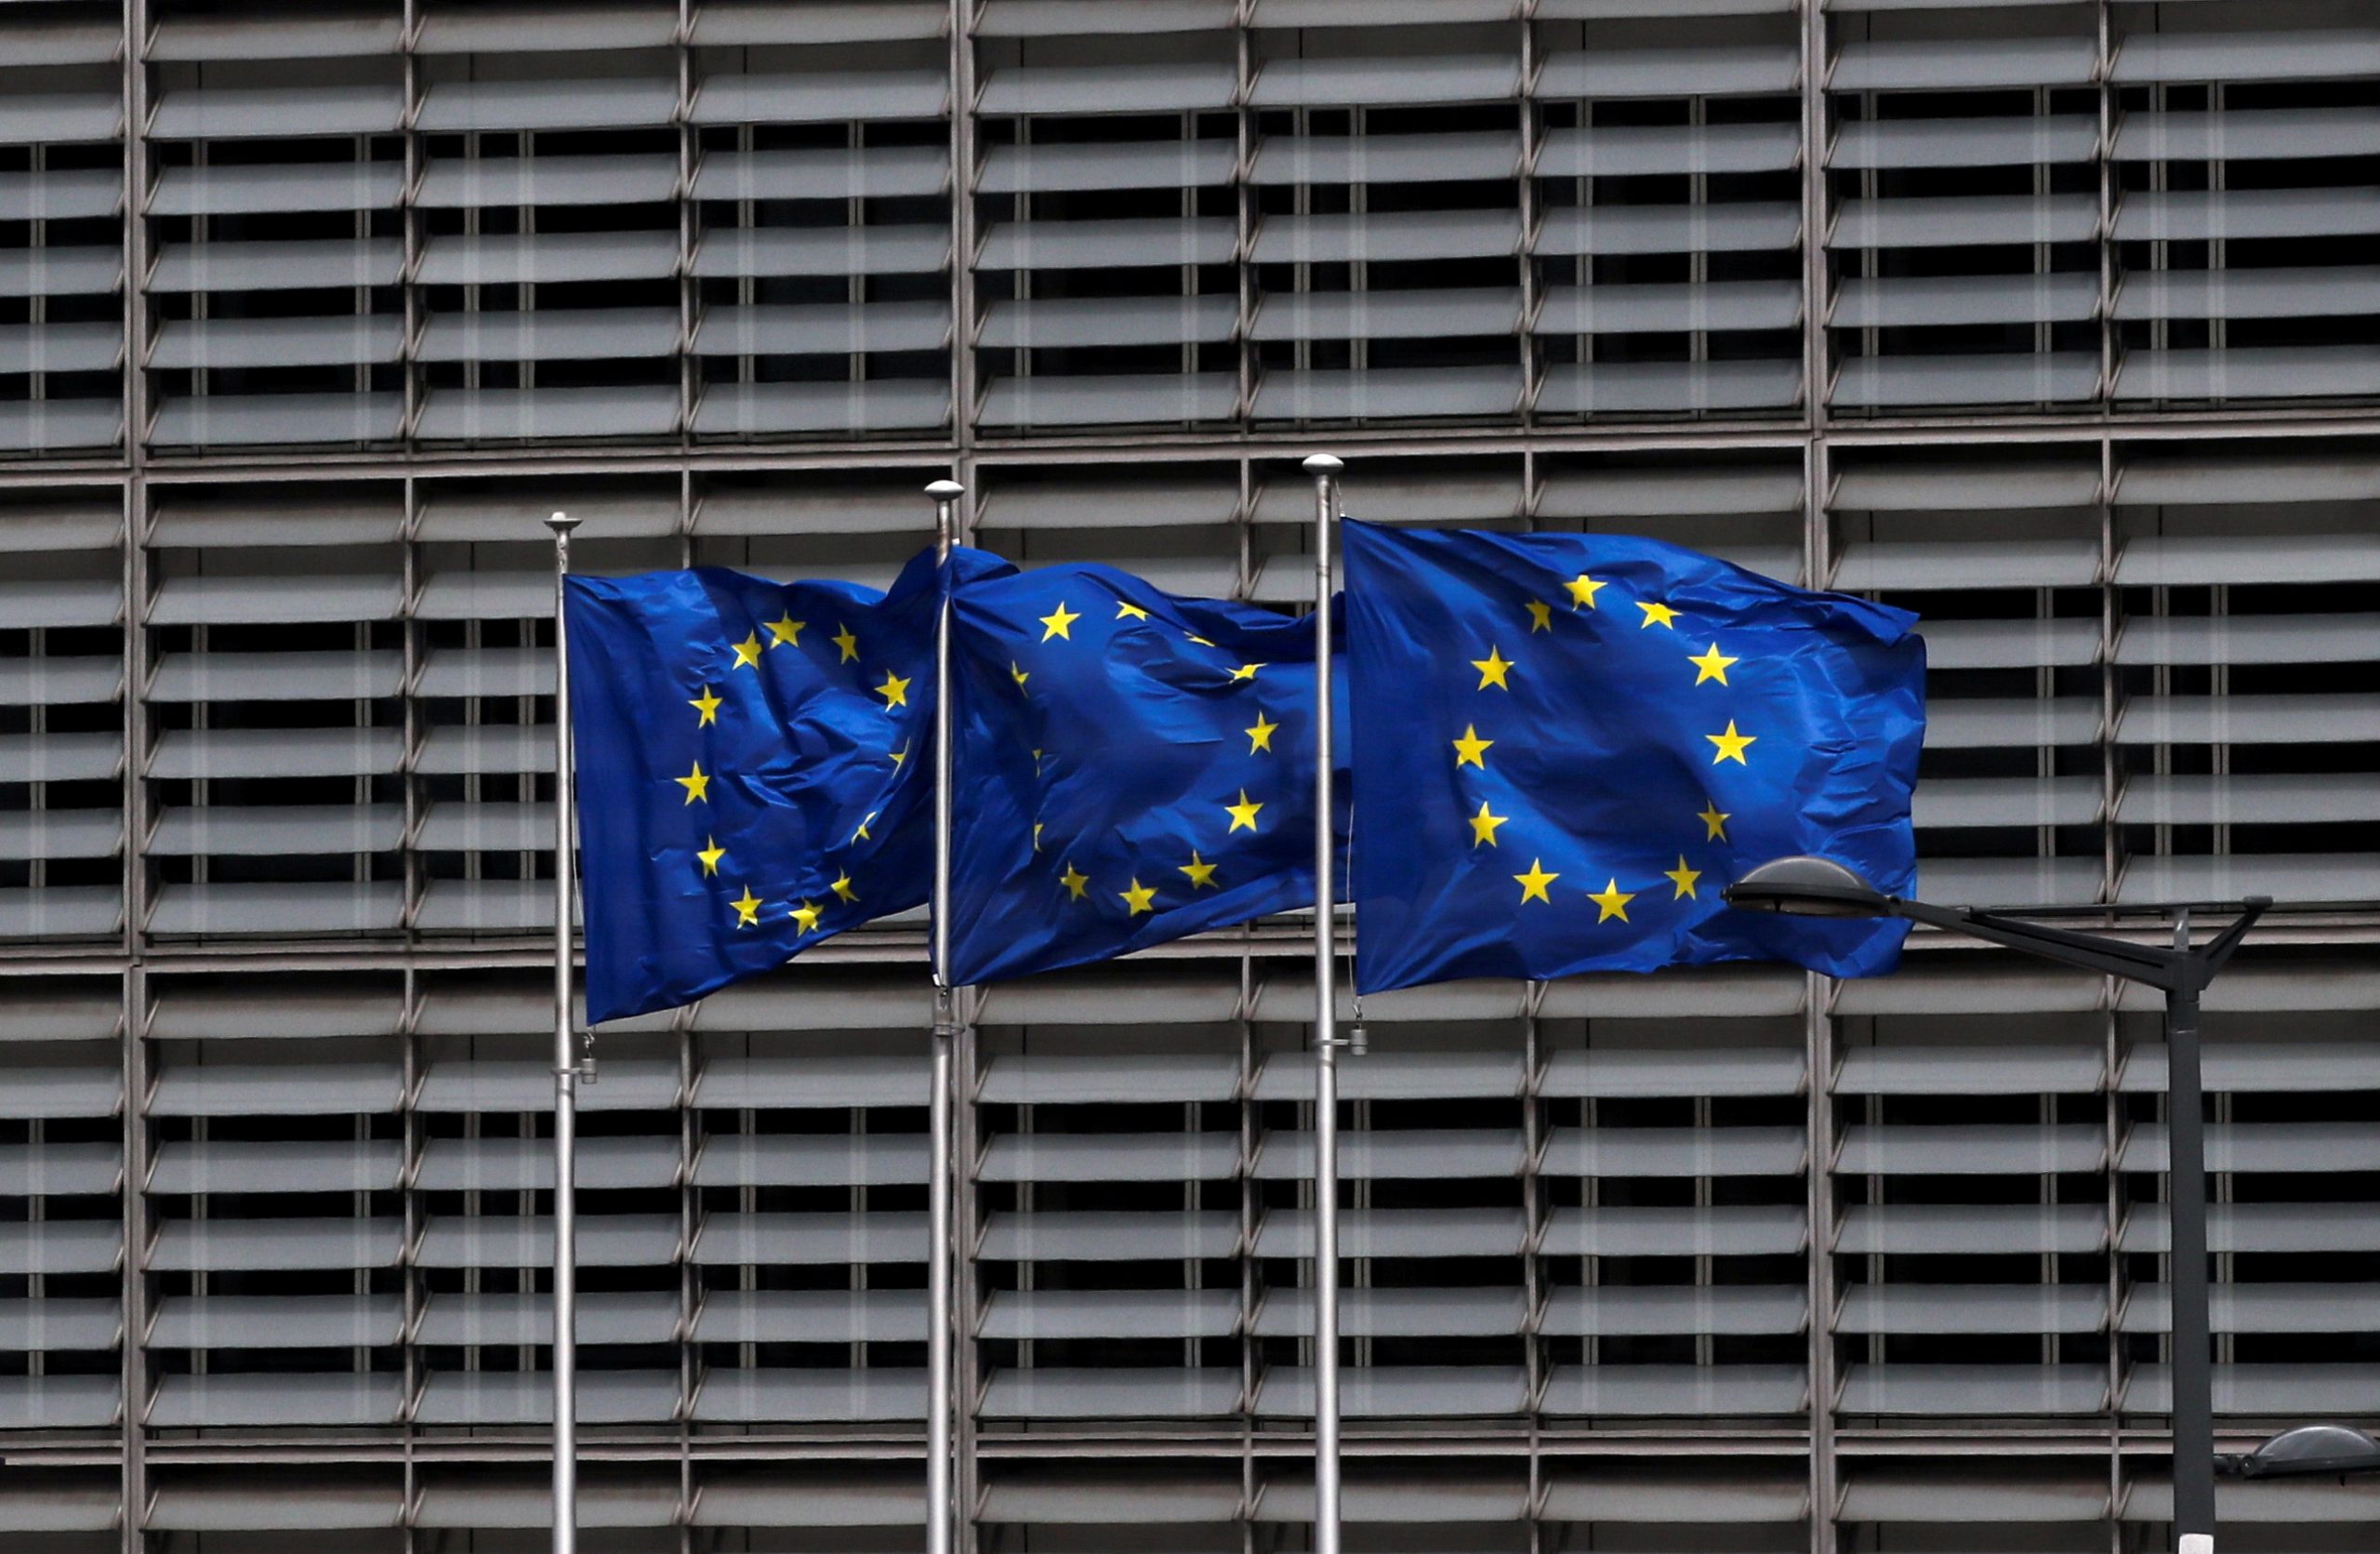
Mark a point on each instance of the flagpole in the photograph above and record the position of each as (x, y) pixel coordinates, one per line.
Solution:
(941, 1515)
(565, 1273)
(1325, 470)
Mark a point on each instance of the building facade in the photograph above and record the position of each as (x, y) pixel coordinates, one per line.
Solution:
(2053, 321)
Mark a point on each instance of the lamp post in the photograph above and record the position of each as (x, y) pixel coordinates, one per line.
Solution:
(1820, 887)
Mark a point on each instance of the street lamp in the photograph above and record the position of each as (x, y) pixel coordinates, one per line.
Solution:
(2308, 1452)
(1821, 887)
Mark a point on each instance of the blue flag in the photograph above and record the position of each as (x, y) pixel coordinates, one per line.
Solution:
(754, 770)
(1130, 767)
(1566, 744)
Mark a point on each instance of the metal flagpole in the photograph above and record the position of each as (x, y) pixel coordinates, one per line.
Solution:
(1325, 471)
(941, 1514)
(566, 1357)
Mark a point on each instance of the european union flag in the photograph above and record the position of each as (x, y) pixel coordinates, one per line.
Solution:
(1565, 744)
(1130, 767)
(753, 766)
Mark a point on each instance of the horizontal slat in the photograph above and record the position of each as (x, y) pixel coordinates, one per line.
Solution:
(1971, 1308)
(2247, 135)
(1962, 1230)
(2201, 720)
(2297, 639)
(1172, 86)
(506, 259)
(240, 1165)
(876, 172)
(1895, 143)
(2249, 293)
(59, 194)
(1655, 1311)
(1675, 1152)
(546, 104)
(824, 96)
(879, 250)
(2060, 298)
(1895, 64)
(1734, 1231)
(1615, 309)
(2199, 214)
(1730, 228)
(2279, 54)
(1415, 78)
(831, 327)
(1095, 321)
(253, 113)
(1725, 70)
(1957, 222)
(1109, 1157)
(1970, 1150)
(1623, 151)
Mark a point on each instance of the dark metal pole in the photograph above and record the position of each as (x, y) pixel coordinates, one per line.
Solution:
(2186, 1195)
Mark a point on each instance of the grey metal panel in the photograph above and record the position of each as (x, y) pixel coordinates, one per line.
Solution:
(53, 1325)
(59, 1402)
(2011, 644)
(1397, 236)
(258, 190)
(2003, 1071)
(1734, 1152)
(509, 1085)
(2306, 293)
(1721, 71)
(277, 1322)
(821, 98)
(1367, 1154)
(224, 420)
(1741, 227)
(244, 830)
(1886, 1494)
(1400, 1391)
(2262, 1308)
(2146, 135)
(59, 346)
(1100, 245)
(1926, 64)
(824, 1316)
(1959, 221)
(477, 672)
(60, 834)
(876, 172)
(60, 272)
(1172, 86)
(872, 21)
(605, 1316)
(282, 37)
(827, 327)
(1904, 1308)
(253, 113)
(2282, 372)
(526, 1165)
(486, 748)
(460, 595)
(1703, 1494)
(1061, 1079)
(252, 1245)
(1457, 156)
(1366, 1232)
(1653, 1391)
(235, 753)
(1392, 392)
(1612, 1072)
(1937, 1391)
(1653, 1310)
(1041, 1156)
(233, 600)
(2197, 215)
(59, 1169)
(494, 1397)
(60, 1247)
(1408, 79)
(2309, 1147)
(1961, 802)
(64, 39)
(537, 102)
(1390, 1076)
(277, 677)
(249, 1165)
(2191, 480)
(2202, 719)
(1918, 1230)
(1622, 150)
(2273, 1067)
(61, 682)
(2251, 799)
(1062, 166)
(1971, 1149)
(809, 1239)
(1091, 1235)
(458, 259)
(1770, 1230)
(1096, 320)
(2203, 560)
(47, 424)
(527, 1241)
(511, 29)
(469, 828)
(881, 406)
(551, 335)
(81, 911)
(2344, 877)
(1659, 493)
(1413, 1314)
(811, 1160)
(2230, 54)
(1967, 723)
(1918, 381)
(2062, 297)
(1097, 401)
(848, 1397)
(2236, 639)
(826, 1081)
(287, 1089)
(1061, 17)
(59, 118)
(1609, 310)
(1930, 143)
(1657, 386)
(1048, 1393)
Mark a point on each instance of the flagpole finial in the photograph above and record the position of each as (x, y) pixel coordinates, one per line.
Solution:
(945, 490)
(1323, 466)
(561, 523)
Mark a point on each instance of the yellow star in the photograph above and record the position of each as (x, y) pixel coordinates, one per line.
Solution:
(1611, 901)
(1140, 899)
(1657, 615)
(748, 653)
(1054, 624)
(1483, 826)
(1202, 873)
(1074, 882)
(696, 785)
(899, 755)
(1036, 836)
(896, 691)
(1541, 615)
(1470, 747)
(1492, 670)
(1261, 737)
(1533, 883)
(1711, 664)
(807, 916)
(1196, 638)
(1243, 814)
(1683, 878)
(842, 888)
(708, 706)
(748, 909)
(710, 855)
(1583, 590)
(848, 643)
(784, 628)
(860, 834)
(1731, 745)
(1714, 820)
(1246, 671)
(1124, 609)
(1019, 675)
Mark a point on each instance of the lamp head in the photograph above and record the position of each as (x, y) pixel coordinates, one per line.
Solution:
(2311, 1450)
(1807, 887)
